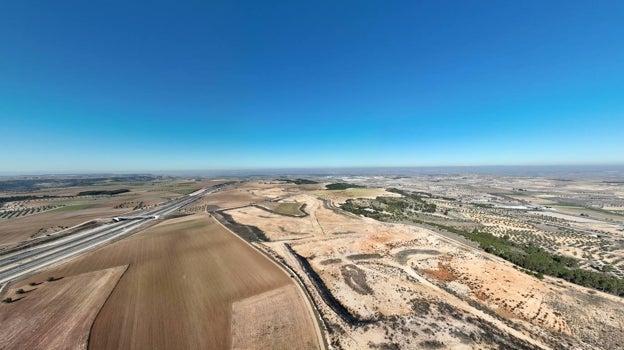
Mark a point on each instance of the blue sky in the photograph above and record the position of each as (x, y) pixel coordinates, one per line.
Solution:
(113, 86)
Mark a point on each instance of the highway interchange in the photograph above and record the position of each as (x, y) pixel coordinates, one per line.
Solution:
(17, 264)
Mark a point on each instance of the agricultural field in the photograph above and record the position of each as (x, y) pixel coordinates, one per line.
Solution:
(254, 318)
(19, 212)
(406, 281)
(55, 314)
(45, 210)
(426, 262)
(189, 284)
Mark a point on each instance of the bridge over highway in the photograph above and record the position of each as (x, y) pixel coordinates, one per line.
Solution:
(135, 217)
(19, 263)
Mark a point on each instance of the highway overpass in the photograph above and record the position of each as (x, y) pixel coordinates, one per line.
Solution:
(16, 264)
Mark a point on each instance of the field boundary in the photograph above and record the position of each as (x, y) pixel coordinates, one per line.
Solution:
(322, 341)
(97, 314)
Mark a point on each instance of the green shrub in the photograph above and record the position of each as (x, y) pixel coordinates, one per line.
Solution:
(342, 186)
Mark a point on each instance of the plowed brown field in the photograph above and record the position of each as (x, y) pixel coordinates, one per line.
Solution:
(257, 325)
(183, 277)
(58, 314)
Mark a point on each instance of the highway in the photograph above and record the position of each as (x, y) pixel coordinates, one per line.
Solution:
(20, 263)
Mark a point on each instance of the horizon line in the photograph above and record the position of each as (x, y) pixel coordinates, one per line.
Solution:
(275, 169)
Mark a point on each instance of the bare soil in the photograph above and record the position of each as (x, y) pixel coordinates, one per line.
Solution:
(58, 314)
(402, 264)
(183, 277)
(276, 319)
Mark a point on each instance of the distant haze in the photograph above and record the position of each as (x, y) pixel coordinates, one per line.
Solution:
(603, 172)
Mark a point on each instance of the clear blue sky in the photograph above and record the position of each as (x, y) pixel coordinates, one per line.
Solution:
(141, 86)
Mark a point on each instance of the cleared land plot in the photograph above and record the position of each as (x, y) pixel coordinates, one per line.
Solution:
(58, 314)
(177, 293)
(256, 325)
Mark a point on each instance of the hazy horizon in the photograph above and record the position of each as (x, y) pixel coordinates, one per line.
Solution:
(143, 87)
(605, 171)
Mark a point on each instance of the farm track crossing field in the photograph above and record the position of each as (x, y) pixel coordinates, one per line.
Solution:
(182, 279)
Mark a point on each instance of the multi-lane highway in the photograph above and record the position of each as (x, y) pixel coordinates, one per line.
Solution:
(19, 263)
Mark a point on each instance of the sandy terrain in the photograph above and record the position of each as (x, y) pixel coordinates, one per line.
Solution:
(58, 314)
(497, 284)
(382, 273)
(183, 277)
